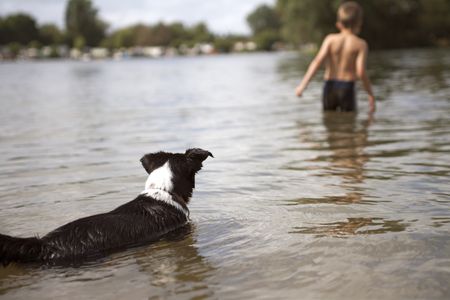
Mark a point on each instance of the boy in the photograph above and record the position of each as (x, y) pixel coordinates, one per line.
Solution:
(345, 55)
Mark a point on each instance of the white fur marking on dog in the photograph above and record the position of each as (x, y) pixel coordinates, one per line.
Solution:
(160, 178)
(164, 196)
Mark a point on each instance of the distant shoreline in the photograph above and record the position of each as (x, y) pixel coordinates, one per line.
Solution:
(99, 53)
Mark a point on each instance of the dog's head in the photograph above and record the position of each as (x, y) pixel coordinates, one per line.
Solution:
(174, 172)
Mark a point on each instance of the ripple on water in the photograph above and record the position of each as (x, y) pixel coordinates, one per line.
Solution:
(296, 201)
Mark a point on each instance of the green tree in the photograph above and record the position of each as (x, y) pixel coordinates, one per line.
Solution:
(387, 24)
(435, 20)
(142, 35)
(14, 49)
(201, 33)
(18, 28)
(79, 42)
(54, 52)
(161, 35)
(179, 34)
(264, 18)
(266, 40)
(82, 22)
(35, 44)
(225, 43)
(307, 20)
(265, 24)
(3, 32)
(393, 24)
(120, 38)
(50, 34)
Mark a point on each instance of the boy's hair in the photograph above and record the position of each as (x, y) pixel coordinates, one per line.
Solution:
(350, 14)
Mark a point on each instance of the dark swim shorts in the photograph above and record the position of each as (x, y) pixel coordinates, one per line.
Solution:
(339, 95)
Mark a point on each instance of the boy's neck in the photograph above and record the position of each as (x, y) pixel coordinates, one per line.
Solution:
(347, 31)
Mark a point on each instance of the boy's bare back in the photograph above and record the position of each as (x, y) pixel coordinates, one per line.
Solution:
(342, 56)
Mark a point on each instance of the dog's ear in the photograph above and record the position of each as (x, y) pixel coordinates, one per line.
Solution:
(146, 162)
(197, 154)
(151, 161)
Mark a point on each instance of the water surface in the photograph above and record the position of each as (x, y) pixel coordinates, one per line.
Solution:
(296, 203)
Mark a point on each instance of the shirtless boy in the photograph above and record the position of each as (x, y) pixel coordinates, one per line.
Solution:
(345, 56)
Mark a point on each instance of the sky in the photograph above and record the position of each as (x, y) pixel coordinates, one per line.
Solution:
(221, 16)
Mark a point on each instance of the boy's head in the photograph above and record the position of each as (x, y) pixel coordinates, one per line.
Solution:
(350, 16)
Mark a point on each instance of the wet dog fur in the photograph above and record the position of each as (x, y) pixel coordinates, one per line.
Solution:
(158, 210)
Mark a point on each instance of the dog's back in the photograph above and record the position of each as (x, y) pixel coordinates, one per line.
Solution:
(140, 221)
(137, 222)
(158, 210)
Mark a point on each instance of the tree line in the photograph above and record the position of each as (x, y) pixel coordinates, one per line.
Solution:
(387, 23)
(288, 23)
(85, 29)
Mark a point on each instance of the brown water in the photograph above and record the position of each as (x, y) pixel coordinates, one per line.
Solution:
(297, 204)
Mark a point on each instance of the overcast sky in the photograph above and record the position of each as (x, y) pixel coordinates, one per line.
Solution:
(221, 16)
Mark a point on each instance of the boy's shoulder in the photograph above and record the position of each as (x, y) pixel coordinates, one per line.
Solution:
(361, 40)
(362, 44)
(330, 37)
(336, 37)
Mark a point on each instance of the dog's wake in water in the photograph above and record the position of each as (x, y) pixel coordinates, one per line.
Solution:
(158, 210)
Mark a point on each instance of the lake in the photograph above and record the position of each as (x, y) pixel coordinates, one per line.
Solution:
(296, 204)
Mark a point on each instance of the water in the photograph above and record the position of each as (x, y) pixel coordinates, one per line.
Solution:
(295, 204)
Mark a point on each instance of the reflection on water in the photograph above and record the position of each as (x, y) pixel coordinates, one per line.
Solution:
(343, 152)
(296, 202)
(348, 198)
(175, 261)
(353, 226)
(346, 138)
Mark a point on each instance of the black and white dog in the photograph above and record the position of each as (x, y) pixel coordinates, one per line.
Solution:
(158, 210)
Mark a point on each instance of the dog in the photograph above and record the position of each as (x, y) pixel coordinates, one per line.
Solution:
(158, 210)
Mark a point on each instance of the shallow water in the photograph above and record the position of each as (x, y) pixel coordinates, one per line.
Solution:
(295, 204)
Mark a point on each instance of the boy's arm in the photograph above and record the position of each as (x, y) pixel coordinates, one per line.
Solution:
(314, 66)
(361, 72)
